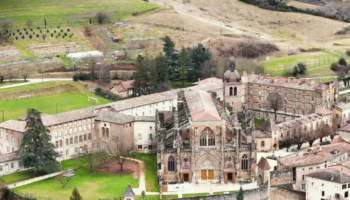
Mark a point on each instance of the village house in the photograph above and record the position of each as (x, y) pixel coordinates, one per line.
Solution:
(330, 183)
(124, 89)
(341, 114)
(313, 159)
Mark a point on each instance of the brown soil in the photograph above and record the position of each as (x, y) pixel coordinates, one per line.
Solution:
(128, 168)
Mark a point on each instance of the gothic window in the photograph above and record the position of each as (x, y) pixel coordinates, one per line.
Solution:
(231, 91)
(235, 91)
(293, 111)
(284, 102)
(244, 162)
(103, 131)
(207, 138)
(171, 164)
(107, 132)
(259, 106)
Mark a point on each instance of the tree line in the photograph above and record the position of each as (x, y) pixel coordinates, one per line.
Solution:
(187, 64)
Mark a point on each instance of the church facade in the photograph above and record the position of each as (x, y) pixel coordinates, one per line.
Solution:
(198, 142)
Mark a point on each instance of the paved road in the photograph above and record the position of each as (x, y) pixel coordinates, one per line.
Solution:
(27, 61)
(36, 80)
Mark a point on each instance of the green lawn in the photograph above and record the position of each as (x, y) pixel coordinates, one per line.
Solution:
(6, 83)
(67, 12)
(258, 122)
(19, 176)
(318, 64)
(151, 169)
(46, 104)
(35, 86)
(178, 84)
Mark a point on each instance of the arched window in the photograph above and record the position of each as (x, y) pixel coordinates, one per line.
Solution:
(203, 140)
(171, 164)
(235, 91)
(231, 91)
(207, 138)
(262, 143)
(107, 132)
(103, 131)
(244, 162)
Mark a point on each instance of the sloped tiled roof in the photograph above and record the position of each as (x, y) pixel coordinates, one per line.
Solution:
(8, 157)
(263, 164)
(128, 192)
(301, 159)
(113, 117)
(268, 125)
(261, 134)
(207, 80)
(49, 120)
(14, 125)
(124, 86)
(201, 106)
(336, 174)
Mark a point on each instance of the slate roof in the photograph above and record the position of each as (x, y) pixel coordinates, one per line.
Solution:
(113, 117)
(8, 157)
(263, 164)
(49, 120)
(128, 192)
(201, 106)
(335, 174)
(305, 159)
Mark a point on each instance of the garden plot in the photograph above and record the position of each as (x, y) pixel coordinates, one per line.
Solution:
(51, 49)
(9, 53)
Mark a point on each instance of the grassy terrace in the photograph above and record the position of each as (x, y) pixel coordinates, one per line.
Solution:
(94, 185)
(19, 176)
(46, 104)
(62, 12)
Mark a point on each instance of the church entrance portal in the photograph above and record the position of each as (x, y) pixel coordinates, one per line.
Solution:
(229, 177)
(186, 179)
(207, 174)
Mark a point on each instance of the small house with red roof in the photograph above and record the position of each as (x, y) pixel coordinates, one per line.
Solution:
(124, 89)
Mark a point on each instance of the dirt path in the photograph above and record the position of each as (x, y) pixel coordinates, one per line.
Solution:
(195, 13)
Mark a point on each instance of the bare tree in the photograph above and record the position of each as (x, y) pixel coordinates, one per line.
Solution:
(91, 158)
(298, 137)
(63, 180)
(5, 24)
(29, 22)
(25, 75)
(323, 130)
(120, 149)
(274, 102)
(101, 17)
(103, 155)
(311, 136)
(44, 36)
(105, 76)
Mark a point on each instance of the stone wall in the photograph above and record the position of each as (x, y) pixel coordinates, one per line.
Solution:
(260, 193)
(278, 193)
(280, 177)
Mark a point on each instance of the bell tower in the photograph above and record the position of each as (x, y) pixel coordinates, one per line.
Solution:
(234, 87)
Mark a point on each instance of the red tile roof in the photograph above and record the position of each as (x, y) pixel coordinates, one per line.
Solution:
(201, 105)
(263, 164)
(124, 86)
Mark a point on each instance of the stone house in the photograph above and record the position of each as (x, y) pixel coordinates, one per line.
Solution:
(341, 114)
(330, 183)
(199, 143)
(9, 164)
(313, 159)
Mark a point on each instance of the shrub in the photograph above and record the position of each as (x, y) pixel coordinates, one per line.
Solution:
(16, 38)
(88, 30)
(68, 29)
(38, 27)
(101, 17)
(58, 26)
(37, 35)
(47, 31)
(20, 33)
(54, 31)
(335, 67)
(51, 34)
(302, 68)
(61, 30)
(30, 36)
(23, 37)
(342, 62)
(70, 35)
(348, 52)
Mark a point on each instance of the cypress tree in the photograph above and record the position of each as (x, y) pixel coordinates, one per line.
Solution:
(36, 150)
(45, 22)
(240, 194)
(75, 195)
(90, 20)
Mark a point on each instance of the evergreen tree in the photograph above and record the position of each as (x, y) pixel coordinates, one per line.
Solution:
(153, 79)
(184, 62)
(240, 194)
(75, 195)
(36, 150)
(170, 56)
(45, 22)
(162, 68)
(199, 55)
(141, 77)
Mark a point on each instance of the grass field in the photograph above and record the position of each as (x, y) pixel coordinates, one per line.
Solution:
(35, 86)
(258, 122)
(94, 185)
(151, 176)
(46, 104)
(19, 176)
(6, 83)
(67, 12)
(318, 64)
